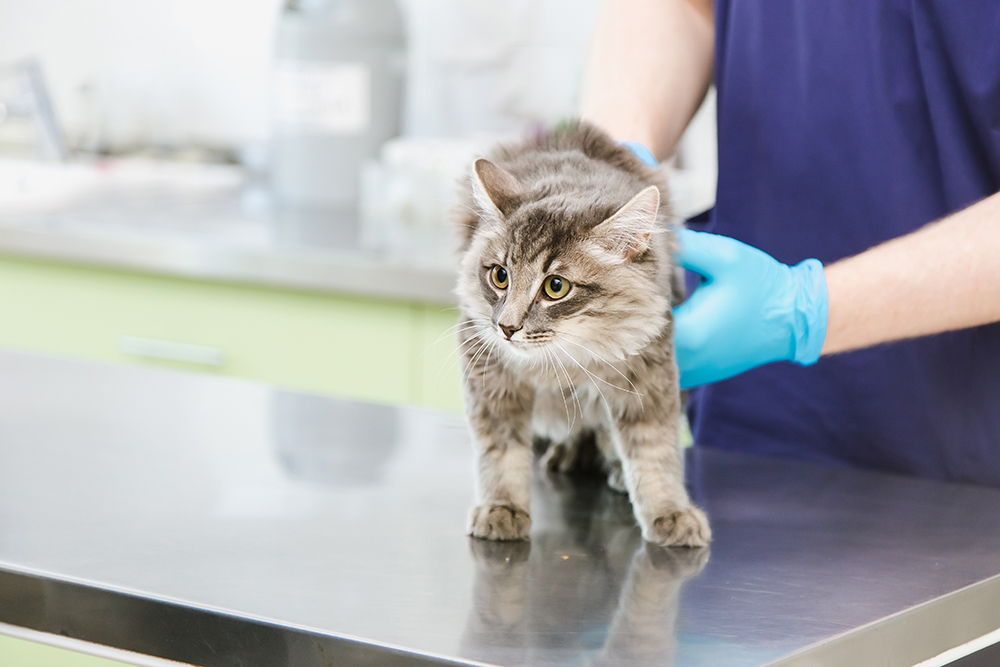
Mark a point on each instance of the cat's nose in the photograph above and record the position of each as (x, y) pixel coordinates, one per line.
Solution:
(509, 331)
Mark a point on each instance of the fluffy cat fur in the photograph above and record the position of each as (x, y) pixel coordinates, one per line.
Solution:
(594, 365)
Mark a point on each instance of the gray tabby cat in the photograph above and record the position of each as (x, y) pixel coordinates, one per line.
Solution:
(565, 292)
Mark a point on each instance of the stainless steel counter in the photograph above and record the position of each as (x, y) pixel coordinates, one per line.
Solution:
(220, 522)
(206, 222)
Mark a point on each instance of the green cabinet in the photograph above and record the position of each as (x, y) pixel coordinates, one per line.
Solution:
(15, 652)
(365, 348)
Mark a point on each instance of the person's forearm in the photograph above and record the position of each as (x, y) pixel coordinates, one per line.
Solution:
(942, 277)
(648, 67)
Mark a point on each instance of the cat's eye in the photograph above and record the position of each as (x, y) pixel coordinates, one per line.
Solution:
(499, 277)
(556, 287)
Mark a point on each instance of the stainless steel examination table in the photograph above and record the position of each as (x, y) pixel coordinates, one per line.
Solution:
(220, 522)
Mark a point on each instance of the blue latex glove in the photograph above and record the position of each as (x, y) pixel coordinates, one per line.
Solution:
(750, 310)
(641, 152)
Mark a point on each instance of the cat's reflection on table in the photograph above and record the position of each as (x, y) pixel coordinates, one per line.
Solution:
(586, 589)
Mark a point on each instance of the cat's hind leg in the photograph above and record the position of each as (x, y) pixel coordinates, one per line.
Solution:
(577, 455)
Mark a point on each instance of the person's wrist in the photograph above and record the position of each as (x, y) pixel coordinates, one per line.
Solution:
(811, 310)
(641, 152)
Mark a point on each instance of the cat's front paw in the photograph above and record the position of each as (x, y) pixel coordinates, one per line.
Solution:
(687, 527)
(499, 522)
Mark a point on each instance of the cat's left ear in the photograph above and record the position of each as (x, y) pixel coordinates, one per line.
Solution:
(494, 190)
(626, 233)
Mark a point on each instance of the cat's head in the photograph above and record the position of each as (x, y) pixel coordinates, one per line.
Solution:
(567, 269)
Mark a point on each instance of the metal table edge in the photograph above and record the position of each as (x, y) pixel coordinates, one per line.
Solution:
(911, 636)
(82, 598)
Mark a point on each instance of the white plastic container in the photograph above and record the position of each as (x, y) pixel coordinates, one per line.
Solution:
(338, 92)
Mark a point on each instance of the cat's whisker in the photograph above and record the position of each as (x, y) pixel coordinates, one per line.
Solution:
(482, 348)
(578, 407)
(480, 343)
(463, 340)
(606, 349)
(493, 347)
(471, 340)
(451, 334)
(466, 368)
(469, 208)
(454, 355)
(610, 365)
(592, 376)
(488, 346)
(599, 379)
(455, 330)
(451, 360)
(571, 420)
(574, 394)
(477, 321)
(547, 358)
(468, 320)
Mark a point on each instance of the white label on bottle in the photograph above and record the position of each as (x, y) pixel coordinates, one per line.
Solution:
(333, 98)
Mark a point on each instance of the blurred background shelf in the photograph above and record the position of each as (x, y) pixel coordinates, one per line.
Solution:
(194, 255)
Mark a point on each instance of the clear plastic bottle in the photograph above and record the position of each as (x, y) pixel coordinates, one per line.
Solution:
(338, 94)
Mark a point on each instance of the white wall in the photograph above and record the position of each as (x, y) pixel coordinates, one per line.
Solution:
(178, 73)
(486, 66)
(148, 71)
(181, 72)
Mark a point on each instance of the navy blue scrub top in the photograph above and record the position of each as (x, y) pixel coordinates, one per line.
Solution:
(842, 125)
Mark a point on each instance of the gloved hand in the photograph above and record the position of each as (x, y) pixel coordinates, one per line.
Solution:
(750, 310)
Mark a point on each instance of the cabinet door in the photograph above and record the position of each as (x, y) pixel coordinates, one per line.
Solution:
(436, 354)
(348, 346)
(17, 652)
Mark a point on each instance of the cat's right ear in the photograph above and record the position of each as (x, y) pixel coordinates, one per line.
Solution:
(625, 235)
(495, 191)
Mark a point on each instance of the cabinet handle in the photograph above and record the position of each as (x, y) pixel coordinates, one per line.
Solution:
(165, 349)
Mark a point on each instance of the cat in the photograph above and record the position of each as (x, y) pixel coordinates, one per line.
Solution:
(565, 290)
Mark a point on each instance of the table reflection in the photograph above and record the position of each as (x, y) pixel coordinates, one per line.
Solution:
(586, 584)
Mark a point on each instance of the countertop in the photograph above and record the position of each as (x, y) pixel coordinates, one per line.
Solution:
(212, 222)
(215, 521)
